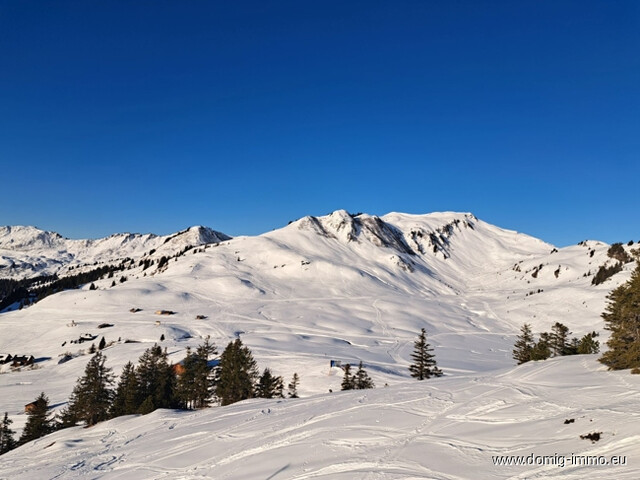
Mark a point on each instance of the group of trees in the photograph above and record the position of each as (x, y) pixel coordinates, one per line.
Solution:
(39, 423)
(154, 383)
(358, 381)
(622, 318)
(552, 344)
(197, 382)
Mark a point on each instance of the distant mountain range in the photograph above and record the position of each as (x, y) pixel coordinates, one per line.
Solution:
(28, 251)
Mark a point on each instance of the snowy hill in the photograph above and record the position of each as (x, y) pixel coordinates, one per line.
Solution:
(447, 428)
(340, 287)
(28, 251)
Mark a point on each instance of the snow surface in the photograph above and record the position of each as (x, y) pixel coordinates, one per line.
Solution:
(346, 288)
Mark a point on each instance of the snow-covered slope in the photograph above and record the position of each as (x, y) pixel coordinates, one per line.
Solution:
(447, 428)
(28, 251)
(340, 287)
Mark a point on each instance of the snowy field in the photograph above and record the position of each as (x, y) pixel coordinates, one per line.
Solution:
(335, 288)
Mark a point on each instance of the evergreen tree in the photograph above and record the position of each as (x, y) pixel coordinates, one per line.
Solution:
(7, 441)
(361, 379)
(236, 374)
(269, 386)
(559, 339)
(92, 395)
(39, 422)
(204, 377)
(102, 344)
(156, 380)
(126, 400)
(424, 363)
(588, 344)
(524, 345)
(293, 386)
(622, 318)
(541, 350)
(185, 383)
(348, 381)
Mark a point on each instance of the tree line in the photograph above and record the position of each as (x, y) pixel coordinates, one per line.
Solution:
(552, 344)
(196, 382)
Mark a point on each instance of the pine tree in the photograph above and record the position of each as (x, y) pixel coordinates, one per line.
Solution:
(39, 422)
(559, 337)
(622, 318)
(424, 363)
(92, 395)
(541, 350)
(102, 344)
(185, 383)
(269, 385)
(156, 380)
(524, 345)
(7, 440)
(126, 400)
(348, 381)
(362, 380)
(204, 377)
(236, 374)
(588, 344)
(293, 386)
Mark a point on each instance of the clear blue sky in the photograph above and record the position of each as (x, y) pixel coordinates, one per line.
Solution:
(156, 115)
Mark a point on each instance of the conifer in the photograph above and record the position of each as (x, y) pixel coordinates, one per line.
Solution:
(126, 400)
(348, 382)
(236, 374)
(424, 364)
(362, 380)
(7, 440)
(39, 422)
(622, 318)
(559, 340)
(524, 345)
(91, 397)
(293, 386)
(269, 385)
(156, 379)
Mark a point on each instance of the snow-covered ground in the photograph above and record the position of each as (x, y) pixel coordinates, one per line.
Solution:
(447, 428)
(339, 288)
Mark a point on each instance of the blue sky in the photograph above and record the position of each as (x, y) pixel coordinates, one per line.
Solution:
(155, 115)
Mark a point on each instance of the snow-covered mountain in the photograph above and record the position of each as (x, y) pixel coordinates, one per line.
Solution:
(29, 251)
(340, 287)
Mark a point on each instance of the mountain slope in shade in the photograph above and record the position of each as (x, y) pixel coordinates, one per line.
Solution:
(28, 251)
